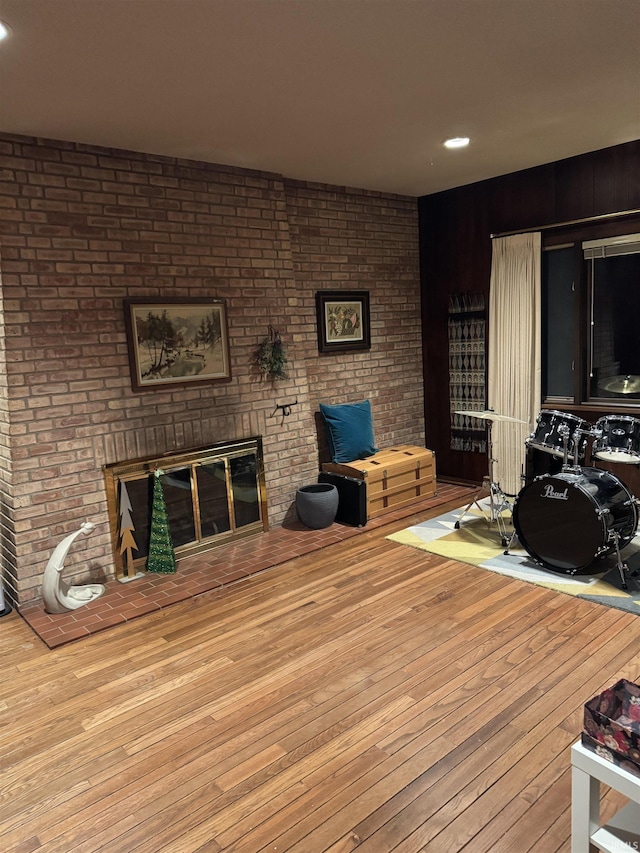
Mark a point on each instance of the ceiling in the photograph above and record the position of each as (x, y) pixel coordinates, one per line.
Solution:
(359, 93)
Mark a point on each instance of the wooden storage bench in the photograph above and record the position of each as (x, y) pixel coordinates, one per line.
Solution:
(394, 478)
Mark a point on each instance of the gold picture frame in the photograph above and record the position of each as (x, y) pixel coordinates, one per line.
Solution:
(177, 342)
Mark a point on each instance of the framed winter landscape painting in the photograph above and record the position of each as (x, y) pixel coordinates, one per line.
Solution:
(177, 341)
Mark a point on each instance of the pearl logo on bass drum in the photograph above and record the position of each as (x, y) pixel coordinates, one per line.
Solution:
(550, 492)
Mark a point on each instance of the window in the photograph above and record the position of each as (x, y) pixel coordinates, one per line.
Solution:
(590, 312)
(560, 311)
(613, 286)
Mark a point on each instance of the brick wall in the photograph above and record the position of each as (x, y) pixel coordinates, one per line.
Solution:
(81, 228)
(350, 239)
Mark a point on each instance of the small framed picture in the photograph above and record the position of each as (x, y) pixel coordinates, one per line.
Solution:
(177, 342)
(343, 320)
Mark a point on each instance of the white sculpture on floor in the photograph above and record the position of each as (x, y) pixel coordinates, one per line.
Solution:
(58, 596)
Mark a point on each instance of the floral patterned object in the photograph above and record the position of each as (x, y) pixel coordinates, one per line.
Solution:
(612, 725)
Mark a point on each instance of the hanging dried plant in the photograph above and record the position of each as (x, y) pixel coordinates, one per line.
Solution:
(271, 357)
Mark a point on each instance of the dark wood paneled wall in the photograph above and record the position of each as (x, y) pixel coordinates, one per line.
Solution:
(455, 246)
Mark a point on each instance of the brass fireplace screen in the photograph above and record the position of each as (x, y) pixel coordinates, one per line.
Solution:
(213, 495)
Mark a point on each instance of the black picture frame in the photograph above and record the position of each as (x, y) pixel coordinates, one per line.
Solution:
(343, 318)
(174, 342)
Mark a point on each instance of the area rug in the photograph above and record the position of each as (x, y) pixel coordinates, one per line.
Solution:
(478, 543)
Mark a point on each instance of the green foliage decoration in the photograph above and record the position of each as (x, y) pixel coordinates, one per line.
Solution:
(271, 357)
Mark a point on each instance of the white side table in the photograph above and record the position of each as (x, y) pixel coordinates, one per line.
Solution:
(622, 833)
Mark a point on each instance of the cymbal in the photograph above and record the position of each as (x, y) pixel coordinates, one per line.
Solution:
(489, 415)
(622, 384)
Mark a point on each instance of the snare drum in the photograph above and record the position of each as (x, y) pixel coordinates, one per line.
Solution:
(539, 464)
(620, 439)
(547, 435)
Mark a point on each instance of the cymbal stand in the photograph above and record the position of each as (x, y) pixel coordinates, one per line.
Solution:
(498, 501)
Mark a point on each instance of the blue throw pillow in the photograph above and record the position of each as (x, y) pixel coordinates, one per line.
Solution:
(349, 431)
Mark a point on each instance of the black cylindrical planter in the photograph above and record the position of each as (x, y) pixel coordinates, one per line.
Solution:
(317, 505)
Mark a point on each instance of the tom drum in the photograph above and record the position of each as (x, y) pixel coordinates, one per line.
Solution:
(547, 435)
(617, 439)
(567, 520)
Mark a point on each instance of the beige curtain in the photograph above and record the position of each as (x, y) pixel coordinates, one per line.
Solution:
(514, 351)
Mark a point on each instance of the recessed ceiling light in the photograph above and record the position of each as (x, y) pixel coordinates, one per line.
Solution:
(5, 30)
(457, 142)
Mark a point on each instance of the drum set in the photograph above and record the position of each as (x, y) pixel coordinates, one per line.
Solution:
(567, 514)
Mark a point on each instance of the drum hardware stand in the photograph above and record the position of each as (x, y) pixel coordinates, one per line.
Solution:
(498, 501)
(510, 543)
(513, 539)
(563, 431)
(621, 567)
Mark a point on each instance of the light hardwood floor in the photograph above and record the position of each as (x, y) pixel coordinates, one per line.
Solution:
(367, 697)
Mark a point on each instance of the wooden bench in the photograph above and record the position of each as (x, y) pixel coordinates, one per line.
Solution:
(393, 478)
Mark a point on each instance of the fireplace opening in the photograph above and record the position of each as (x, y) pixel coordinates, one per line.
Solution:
(212, 494)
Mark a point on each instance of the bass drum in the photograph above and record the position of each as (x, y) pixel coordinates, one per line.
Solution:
(567, 520)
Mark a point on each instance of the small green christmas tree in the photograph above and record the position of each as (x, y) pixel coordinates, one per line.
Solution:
(161, 556)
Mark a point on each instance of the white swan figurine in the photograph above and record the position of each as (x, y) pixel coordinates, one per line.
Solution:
(58, 596)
